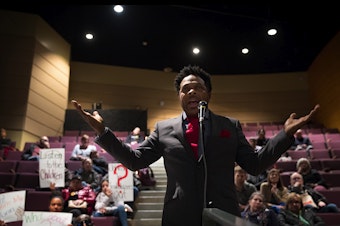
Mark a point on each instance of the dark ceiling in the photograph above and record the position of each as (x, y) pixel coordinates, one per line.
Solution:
(171, 31)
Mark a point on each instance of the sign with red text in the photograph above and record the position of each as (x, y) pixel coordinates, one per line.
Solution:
(12, 205)
(52, 167)
(34, 218)
(121, 182)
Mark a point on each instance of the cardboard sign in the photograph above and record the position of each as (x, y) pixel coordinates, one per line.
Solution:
(121, 182)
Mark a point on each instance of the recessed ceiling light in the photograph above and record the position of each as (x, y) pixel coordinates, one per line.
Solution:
(272, 31)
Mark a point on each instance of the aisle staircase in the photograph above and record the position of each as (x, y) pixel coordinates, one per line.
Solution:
(149, 204)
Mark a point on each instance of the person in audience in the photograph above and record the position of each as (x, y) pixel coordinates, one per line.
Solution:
(109, 204)
(57, 205)
(256, 211)
(273, 190)
(100, 164)
(5, 142)
(261, 139)
(311, 177)
(176, 140)
(295, 214)
(135, 137)
(243, 188)
(32, 153)
(310, 198)
(2, 223)
(301, 142)
(89, 176)
(82, 151)
(78, 199)
(258, 179)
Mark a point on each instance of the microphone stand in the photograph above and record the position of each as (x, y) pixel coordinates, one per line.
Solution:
(202, 156)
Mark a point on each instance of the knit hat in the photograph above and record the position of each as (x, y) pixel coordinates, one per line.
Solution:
(301, 160)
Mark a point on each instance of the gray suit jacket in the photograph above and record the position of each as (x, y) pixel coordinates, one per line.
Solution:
(225, 144)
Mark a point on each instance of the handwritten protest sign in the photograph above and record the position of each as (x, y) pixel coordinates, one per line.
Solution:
(52, 167)
(34, 218)
(121, 181)
(12, 205)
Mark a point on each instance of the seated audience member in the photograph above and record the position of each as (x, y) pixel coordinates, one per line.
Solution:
(261, 139)
(256, 212)
(2, 223)
(4, 140)
(301, 142)
(82, 150)
(274, 192)
(258, 179)
(295, 214)
(78, 199)
(83, 220)
(310, 197)
(100, 164)
(109, 204)
(89, 176)
(57, 205)
(311, 177)
(243, 188)
(135, 137)
(32, 153)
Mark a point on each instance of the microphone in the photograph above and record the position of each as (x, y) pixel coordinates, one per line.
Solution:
(202, 107)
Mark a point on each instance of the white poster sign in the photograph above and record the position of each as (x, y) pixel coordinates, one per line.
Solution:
(34, 218)
(121, 181)
(52, 167)
(12, 205)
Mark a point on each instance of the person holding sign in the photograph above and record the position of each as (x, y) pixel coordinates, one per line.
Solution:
(56, 205)
(199, 171)
(78, 199)
(103, 205)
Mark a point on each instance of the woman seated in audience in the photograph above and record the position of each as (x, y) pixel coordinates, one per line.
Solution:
(273, 190)
(295, 214)
(256, 211)
(311, 177)
(109, 204)
(89, 175)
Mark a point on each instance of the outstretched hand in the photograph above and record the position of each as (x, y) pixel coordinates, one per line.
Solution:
(94, 120)
(292, 124)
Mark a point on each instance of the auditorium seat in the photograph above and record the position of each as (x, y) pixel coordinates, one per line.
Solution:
(335, 153)
(7, 178)
(286, 166)
(330, 164)
(71, 133)
(295, 155)
(333, 180)
(111, 220)
(330, 219)
(73, 165)
(320, 154)
(14, 155)
(25, 166)
(8, 166)
(66, 139)
(56, 144)
(32, 203)
(53, 139)
(332, 196)
(27, 181)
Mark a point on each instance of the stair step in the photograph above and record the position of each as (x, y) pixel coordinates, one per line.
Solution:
(142, 214)
(152, 199)
(150, 206)
(146, 222)
(152, 193)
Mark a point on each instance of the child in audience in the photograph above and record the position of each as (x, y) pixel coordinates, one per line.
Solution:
(108, 204)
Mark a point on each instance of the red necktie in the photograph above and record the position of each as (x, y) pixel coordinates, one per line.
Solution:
(192, 134)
